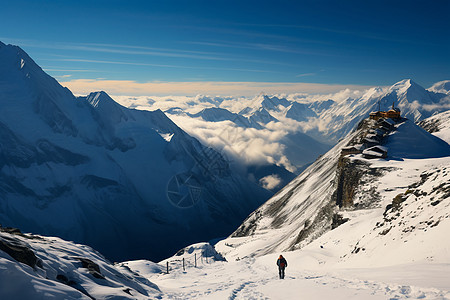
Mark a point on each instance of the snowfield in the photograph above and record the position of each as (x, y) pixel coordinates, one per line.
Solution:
(308, 276)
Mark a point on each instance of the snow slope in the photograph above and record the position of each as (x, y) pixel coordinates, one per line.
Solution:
(90, 170)
(257, 278)
(441, 87)
(38, 267)
(438, 125)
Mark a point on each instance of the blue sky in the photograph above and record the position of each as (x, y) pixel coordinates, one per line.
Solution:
(324, 42)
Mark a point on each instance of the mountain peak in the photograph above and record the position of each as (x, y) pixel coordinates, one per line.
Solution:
(100, 98)
(405, 83)
(441, 87)
(410, 89)
(17, 66)
(106, 106)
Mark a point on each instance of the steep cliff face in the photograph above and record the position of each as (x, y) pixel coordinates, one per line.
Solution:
(352, 174)
(349, 175)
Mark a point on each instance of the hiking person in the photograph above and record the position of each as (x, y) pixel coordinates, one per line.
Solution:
(282, 264)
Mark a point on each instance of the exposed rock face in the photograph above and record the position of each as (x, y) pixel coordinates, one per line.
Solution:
(430, 126)
(91, 266)
(17, 248)
(349, 174)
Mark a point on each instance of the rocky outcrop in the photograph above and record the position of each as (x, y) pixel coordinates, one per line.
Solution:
(349, 174)
(91, 266)
(16, 248)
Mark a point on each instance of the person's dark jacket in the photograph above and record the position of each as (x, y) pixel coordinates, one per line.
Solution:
(281, 262)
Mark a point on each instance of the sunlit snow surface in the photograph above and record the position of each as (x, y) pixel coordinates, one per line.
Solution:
(60, 274)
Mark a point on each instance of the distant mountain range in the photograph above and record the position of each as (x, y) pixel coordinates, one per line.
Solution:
(294, 130)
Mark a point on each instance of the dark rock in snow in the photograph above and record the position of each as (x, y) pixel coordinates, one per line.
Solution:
(18, 250)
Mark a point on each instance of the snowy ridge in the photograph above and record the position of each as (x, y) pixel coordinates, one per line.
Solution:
(33, 266)
(215, 114)
(441, 87)
(438, 125)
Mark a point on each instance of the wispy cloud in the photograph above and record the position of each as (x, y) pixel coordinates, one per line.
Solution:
(133, 88)
(355, 33)
(138, 50)
(157, 65)
(118, 49)
(263, 47)
(63, 77)
(306, 74)
(71, 70)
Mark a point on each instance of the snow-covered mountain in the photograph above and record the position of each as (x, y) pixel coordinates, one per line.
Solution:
(340, 117)
(299, 112)
(442, 87)
(438, 125)
(340, 188)
(90, 170)
(269, 103)
(217, 114)
(262, 116)
(39, 267)
(330, 120)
